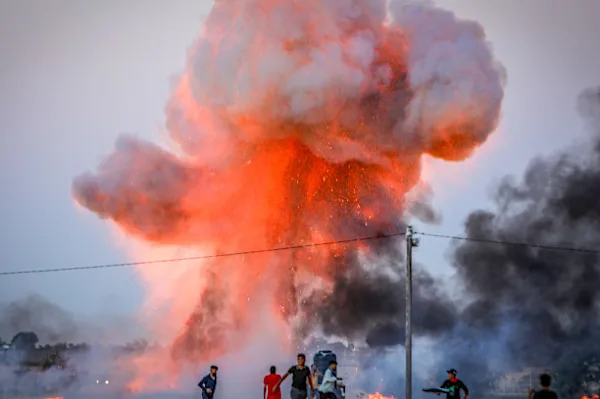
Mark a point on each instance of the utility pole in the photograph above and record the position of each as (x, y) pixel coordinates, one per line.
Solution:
(411, 242)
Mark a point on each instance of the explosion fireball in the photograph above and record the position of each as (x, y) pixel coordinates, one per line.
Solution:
(297, 121)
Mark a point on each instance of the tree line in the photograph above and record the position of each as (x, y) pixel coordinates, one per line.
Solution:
(28, 340)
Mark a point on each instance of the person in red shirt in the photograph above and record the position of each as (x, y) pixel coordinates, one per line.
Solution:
(270, 382)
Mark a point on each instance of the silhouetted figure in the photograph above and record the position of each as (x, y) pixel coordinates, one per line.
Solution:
(544, 392)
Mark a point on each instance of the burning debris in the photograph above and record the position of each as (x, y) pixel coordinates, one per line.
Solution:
(307, 127)
(305, 121)
(375, 395)
(296, 122)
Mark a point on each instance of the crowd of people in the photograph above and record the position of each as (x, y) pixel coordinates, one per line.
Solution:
(302, 380)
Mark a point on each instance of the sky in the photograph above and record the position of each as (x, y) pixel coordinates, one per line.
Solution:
(74, 75)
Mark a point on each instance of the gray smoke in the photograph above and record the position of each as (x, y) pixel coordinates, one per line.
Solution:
(44, 338)
(538, 306)
(35, 314)
(525, 306)
(368, 304)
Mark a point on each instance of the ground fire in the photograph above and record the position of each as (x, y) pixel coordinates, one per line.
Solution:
(295, 122)
(377, 395)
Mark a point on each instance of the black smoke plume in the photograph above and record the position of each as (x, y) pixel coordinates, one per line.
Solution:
(534, 306)
(520, 305)
(369, 302)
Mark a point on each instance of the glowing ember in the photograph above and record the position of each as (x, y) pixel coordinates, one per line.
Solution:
(377, 395)
(297, 121)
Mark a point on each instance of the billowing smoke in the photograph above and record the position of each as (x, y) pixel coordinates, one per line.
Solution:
(48, 321)
(373, 306)
(48, 351)
(542, 304)
(298, 122)
(53, 324)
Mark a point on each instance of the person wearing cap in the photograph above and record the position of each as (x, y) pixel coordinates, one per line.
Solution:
(454, 386)
(209, 383)
(330, 383)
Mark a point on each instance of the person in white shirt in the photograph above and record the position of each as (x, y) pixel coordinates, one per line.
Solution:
(329, 385)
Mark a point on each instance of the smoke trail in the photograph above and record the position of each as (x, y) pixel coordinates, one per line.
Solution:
(540, 307)
(297, 122)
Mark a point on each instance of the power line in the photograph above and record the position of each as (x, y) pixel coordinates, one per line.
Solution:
(301, 246)
(241, 253)
(511, 243)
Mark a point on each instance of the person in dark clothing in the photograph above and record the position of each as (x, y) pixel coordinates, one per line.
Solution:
(454, 386)
(209, 383)
(544, 392)
(300, 374)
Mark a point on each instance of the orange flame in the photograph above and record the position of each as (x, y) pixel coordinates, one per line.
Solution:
(298, 124)
(377, 395)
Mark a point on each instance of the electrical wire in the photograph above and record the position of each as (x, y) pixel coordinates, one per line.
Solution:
(240, 253)
(510, 243)
(301, 246)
